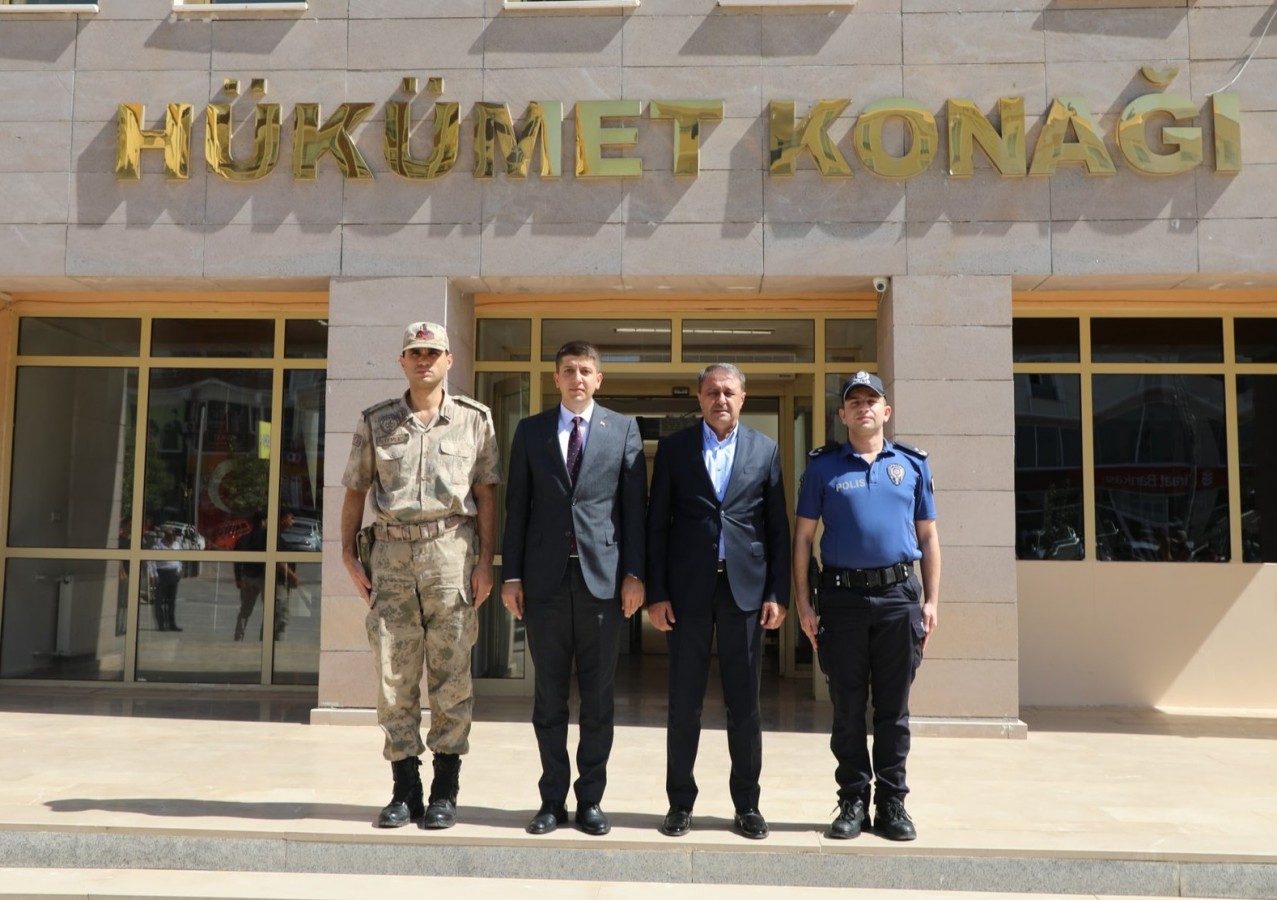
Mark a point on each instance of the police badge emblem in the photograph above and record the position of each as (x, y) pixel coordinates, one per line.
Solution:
(896, 473)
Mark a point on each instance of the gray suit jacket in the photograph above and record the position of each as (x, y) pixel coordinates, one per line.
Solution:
(607, 507)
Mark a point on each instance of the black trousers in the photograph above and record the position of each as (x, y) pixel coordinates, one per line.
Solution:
(567, 627)
(871, 646)
(740, 667)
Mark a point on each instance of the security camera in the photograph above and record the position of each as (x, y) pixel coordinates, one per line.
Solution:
(880, 285)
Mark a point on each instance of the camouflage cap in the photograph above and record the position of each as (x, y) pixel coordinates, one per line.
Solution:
(429, 335)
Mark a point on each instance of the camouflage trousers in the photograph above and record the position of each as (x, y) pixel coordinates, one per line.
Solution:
(422, 615)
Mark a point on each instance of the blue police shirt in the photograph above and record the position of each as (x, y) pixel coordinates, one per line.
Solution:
(869, 510)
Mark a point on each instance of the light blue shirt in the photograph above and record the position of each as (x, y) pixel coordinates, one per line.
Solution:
(719, 457)
(565, 427)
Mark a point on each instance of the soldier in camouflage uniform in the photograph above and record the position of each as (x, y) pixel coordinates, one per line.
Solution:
(430, 459)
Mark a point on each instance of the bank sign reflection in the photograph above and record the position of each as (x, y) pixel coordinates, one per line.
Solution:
(1156, 134)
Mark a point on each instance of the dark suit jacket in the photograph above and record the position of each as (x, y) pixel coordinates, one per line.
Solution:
(685, 519)
(606, 508)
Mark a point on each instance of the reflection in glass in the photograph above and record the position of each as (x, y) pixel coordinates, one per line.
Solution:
(1048, 467)
(65, 619)
(618, 340)
(1256, 436)
(749, 340)
(230, 338)
(501, 650)
(802, 446)
(507, 394)
(504, 340)
(1044, 340)
(76, 336)
(297, 642)
(301, 470)
(186, 628)
(851, 340)
(1157, 340)
(207, 454)
(1256, 340)
(306, 338)
(72, 478)
(1161, 475)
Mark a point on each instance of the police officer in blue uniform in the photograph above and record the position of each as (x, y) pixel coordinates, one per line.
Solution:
(876, 614)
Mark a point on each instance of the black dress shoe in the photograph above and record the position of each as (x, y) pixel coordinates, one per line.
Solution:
(751, 824)
(547, 819)
(591, 819)
(851, 820)
(892, 822)
(678, 822)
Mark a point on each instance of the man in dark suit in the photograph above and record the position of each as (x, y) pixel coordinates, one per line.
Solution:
(574, 533)
(717, 564)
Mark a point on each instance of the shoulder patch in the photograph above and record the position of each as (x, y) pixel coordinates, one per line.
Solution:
(821, 451)
(371, 412)
(912, 451)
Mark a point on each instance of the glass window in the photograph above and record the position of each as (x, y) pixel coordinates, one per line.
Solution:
(851, 340)
(187, 625)
(65, 336)
(306, 338)
(71, 483)
(296, 624)
(1256, 340)
(504, 340)
(1045, 340)
(301, 470)
(1048, 467)
(1256, 436)
(208, 453)
(1157, 340)
(618, 340)
(1161, 476)
(228, 338)
(749, 340)
(65, 619)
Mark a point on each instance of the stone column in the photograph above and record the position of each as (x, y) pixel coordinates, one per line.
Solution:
(366, 318)
(944, 346)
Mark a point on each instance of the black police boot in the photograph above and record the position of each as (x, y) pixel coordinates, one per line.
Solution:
(442, 809)
(405, 804)
(851, 819)
(892, 822)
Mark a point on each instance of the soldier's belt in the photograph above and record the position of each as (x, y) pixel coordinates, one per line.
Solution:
(421, 531)
(866, 579)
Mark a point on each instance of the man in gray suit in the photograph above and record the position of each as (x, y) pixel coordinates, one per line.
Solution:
(574, 537)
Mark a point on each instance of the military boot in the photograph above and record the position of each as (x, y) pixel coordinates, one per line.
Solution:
(405, 804)
(442, 811)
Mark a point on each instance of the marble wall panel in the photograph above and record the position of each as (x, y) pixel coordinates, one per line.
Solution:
(1009, 37)
(1140, 35)
(1228, 32)
(809, 197)
(970, 462)
(978, 248)
(37, 45)
(1237, 245)
(986, 196)
(833, 249)
(35, 147)
(982, 83)
(805, 84)
(694, 41)
(268, 44)
(739, 87)
(33, 250)
(839, 37)
(737, 145)
(410, 250)
(1165, 245)
(930, 352)
(592, 249)
(566, 84)
(380, 86)
(125, 250)
(415, 44)
(523, 42)
(978, 518)
(962, 301)
(975, 630)
(359, 302)
(1108, 86)
(693, 249)
(921, 406)
(729, 197)
(273, 250)
(417, 9)
(549, 201)
(976, 574)
(144, 45)
(98, 95)
(1257, 86)
(965, 687)
(99, 197)
(37, 96)
(1127, 195)
(1250, 194)
(275, 200)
